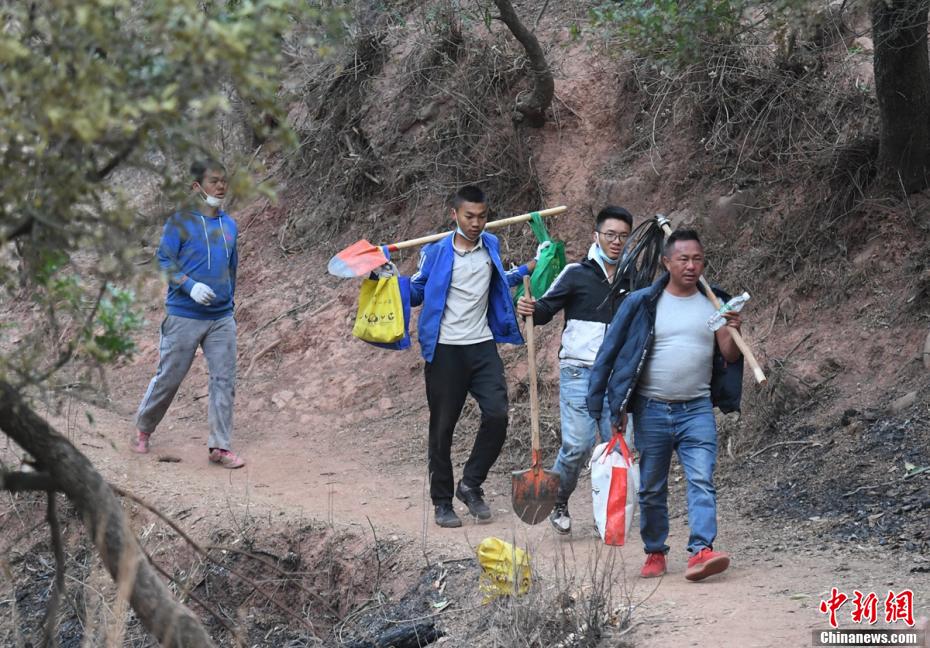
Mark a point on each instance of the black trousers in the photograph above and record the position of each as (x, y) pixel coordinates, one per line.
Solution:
(455, 372)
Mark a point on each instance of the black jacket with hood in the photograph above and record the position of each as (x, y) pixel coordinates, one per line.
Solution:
(583, 291)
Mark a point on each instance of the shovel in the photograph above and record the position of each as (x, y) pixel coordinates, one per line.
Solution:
(362, 257)
(535, 489)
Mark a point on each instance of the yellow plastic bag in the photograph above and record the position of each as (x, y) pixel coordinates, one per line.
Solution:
(505, 569)
(380, 316)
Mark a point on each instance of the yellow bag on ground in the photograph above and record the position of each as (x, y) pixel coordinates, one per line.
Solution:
(380, 316)
(505, 569)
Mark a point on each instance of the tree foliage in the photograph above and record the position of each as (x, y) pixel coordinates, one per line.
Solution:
(671, 31)
(100, 89)
(678, 34)
(97, 98)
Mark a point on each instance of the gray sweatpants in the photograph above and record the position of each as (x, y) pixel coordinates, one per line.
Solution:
(180, 337)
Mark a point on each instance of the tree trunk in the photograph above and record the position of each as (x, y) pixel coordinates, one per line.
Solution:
(902, 85)
(532, 108)
(168, 621)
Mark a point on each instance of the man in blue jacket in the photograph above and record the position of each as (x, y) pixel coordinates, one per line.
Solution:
(198, 255)
(467, 310)
(661, 361)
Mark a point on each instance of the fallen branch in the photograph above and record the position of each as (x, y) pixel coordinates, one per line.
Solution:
(413, 636)
(921, 471)
(172, 624)
(870, 487)
(783, 443)
(292, 311)
(259, 355)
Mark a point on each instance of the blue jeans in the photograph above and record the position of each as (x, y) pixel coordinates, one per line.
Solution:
(579, 430)
(690, 429)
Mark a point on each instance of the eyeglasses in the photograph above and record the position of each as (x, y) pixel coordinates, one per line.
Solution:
(610, 237)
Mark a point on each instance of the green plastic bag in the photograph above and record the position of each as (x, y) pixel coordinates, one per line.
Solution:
(550, 264)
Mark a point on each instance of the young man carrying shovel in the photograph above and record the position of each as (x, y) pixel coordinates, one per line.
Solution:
(661, 361)
(467, 311)
(198, 254)
(585, 291)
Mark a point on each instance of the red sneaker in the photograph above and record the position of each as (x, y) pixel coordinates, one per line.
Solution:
(654, 567)
(140, 442)
(226, 458)
(706, 563)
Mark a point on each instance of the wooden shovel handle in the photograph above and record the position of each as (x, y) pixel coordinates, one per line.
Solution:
(552, 211)
(737, 338)
(531, 360)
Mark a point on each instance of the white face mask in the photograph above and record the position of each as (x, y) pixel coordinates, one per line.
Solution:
(212, 201)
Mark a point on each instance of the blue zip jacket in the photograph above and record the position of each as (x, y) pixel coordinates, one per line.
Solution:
(623, 354)
(430, 286)
(199, 249)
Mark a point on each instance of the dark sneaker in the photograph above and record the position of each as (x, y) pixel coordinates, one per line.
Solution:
(655, 565)
(446, 517)
(706, 563)
(560, 519)
(473, 498)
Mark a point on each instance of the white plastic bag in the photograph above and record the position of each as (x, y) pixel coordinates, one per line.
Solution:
(615, 489)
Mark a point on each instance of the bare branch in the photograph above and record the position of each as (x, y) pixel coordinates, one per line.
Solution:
(187, 592)
(205, 554)
(172, 624)
(18, 482)
(540, 15)
(20, 229)
(54, 599)
(101, 174)
(533, 108)
(64, 356)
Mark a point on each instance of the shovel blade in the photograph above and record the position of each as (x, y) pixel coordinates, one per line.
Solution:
(357, 260)
(534, 493)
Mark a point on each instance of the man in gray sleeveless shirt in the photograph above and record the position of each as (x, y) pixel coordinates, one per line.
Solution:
(658, 359)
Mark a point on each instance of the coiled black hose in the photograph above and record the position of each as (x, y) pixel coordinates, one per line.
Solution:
(641, 256)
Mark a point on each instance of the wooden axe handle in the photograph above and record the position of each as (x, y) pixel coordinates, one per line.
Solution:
(552, 211)
(531, 363)
(737, 338)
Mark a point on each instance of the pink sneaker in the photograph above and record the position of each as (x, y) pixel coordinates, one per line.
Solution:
(140, 443)
(226, 458)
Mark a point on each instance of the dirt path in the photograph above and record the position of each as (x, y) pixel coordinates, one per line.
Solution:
(769, 597)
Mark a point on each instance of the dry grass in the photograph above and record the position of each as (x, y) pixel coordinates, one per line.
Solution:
(449, 124)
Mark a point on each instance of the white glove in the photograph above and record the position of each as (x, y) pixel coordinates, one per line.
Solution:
(202, 294)
(385, 271)
(542, 246)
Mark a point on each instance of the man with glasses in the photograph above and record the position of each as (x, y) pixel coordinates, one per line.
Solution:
(583, 290)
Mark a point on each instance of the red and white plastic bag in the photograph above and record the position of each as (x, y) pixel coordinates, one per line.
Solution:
(615, 488)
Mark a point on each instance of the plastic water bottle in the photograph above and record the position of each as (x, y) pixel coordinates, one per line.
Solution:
(735, 305)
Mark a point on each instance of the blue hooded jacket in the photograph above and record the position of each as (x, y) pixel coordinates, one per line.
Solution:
(430, 287)
(199, 249)
(623, 354)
